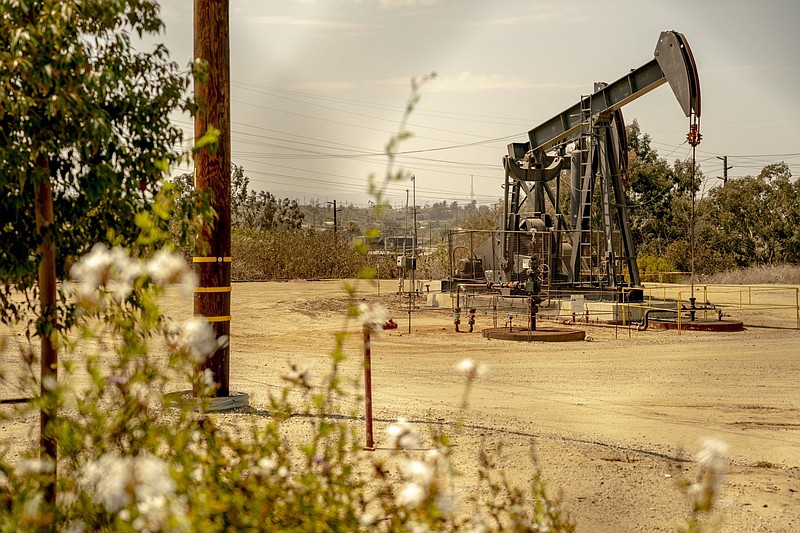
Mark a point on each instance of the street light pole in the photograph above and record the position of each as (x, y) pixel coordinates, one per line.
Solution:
(413, 250)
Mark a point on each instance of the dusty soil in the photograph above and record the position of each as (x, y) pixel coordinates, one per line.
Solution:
(615, 419)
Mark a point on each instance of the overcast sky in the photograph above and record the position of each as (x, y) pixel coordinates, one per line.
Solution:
(319, 85)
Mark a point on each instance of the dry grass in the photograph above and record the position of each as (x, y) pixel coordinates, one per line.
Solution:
(757, 275)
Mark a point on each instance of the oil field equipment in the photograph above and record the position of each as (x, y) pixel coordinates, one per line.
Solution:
(554, 243)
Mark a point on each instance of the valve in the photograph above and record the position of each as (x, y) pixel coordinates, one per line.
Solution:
(694, 136)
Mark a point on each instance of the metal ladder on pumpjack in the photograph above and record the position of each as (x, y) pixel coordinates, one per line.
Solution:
(588, 275)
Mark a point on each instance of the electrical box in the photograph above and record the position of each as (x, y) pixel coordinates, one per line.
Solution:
(407, 263)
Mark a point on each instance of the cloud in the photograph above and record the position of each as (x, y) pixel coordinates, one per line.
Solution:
(321, 86)
(316, 23)
(466, 82)
(742, 69)
(391, 4)
(507, 21)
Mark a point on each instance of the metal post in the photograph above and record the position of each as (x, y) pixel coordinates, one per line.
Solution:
(213, 171)
(368, 387)
(797, 305)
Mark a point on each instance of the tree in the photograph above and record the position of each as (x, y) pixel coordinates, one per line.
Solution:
(85, 140)
(755, 219)
(484, 218)
(251, 209)
(659, 199)
(84, 114)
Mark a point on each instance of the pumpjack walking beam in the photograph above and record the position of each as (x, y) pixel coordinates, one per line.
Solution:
(673, 63)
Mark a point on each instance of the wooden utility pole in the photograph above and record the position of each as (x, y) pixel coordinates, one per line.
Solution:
(725, 169)
(212, 297)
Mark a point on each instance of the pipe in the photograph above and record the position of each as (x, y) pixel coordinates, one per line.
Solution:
(646, 318)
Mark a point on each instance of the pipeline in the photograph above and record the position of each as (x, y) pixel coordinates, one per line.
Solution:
(646, 318)
(691, 313)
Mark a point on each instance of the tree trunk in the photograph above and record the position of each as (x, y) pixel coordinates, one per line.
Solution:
(47, 326)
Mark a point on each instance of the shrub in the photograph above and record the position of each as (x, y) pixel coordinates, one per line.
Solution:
(132, 461)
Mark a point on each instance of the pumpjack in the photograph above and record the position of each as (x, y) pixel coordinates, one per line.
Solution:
(590, 247)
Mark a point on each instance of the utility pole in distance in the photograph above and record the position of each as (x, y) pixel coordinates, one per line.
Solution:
(725, 169)
(212, 297)
(335, 220)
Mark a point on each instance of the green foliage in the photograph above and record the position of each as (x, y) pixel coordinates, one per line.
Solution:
(755, 220)
(484, 217)
(659, 197)
(251, 209)
(652, 268)
(83, 111)
(132, 459)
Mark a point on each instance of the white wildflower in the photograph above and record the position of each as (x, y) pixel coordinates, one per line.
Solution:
(417, 527)
(197, 337)
(712, 455)
(265, 466)
(374, 317)
(107, 478)
(187, 283)
(283, 472)
(411, 495)
(34, 465)
(91, 271)
(140, 390)
(32, 507)
(112, 269)
(207, 380)
(402, 435)
(436, 455)
(49, 382)
(115, 482)
(166, 267)
(418, 472)
(711, 459)
(123, 272)
(367, 519)
(472, 370)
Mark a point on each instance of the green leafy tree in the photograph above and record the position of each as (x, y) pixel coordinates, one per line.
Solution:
(83, 114)
(660, 200)
(753, 220)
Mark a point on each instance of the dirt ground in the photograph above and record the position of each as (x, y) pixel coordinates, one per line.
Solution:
(615, 419)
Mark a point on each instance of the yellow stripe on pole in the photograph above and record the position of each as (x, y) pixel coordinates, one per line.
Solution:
(212, 259)
(212, 289)
(218, 318)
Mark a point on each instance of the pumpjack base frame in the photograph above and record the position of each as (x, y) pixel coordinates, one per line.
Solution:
(538, 335)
